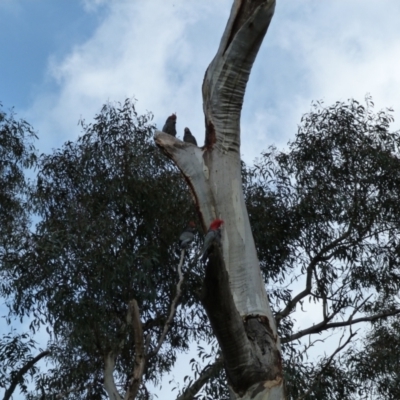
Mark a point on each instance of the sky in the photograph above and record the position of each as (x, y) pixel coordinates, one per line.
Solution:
(62, 60)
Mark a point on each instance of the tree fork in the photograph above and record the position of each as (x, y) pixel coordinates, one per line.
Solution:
(234, 295)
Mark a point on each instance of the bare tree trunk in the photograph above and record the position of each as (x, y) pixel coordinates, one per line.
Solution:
(234, 295)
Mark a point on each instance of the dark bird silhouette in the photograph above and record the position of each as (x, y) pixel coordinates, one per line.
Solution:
(213, 235)
(187, 235)
(169, 126)
(188, 137)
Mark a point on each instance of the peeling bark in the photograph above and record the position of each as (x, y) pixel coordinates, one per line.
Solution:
(234, 295)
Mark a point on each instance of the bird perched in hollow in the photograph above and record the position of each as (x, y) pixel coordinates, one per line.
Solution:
(188, 137)
(170, 125)
(213, 235)
(187, 235)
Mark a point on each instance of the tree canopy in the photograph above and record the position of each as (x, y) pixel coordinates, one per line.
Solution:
(333, 225)
(110, 208)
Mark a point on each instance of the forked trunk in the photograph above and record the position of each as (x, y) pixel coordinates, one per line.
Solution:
(234, 295)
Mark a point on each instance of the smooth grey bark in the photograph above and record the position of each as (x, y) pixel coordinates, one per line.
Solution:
(234, 295)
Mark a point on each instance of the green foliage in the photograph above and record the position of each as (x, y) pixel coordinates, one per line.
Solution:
(15, 352)
(327, 212)
(17, 154)
(304, 380)
(112, 207)
(376, 368)
(332, 198)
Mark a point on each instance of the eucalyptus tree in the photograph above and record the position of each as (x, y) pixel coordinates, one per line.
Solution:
(17, 156)
(103, 270)
(111, 209)
(376, 370)
(325, 214)
(345, 215)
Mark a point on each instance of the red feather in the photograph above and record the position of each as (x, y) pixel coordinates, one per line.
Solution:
(216, 224)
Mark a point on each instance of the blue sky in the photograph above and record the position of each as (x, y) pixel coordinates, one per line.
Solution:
(62, 59)
(33, 32)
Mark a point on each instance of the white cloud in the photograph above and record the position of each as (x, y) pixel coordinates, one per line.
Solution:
(150, 50)
(158, 51)
(320, 50)
(93, 5)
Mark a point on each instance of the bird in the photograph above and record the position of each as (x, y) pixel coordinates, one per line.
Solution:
(169, 126)
(188, 137)
(213, 234)
(187, 235)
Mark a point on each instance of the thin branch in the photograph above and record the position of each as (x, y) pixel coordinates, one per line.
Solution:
(141, 346)
(311, 343)
(294, 357)
(324, 368)
(313, 263)
(330, 298)
(323, 326)
(172, 310)
(358, 307)
(208, 372)
(19, 375)
(153, 322)
(316, 328)
(323, 296)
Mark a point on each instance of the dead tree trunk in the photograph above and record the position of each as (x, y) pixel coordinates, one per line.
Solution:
(234, 295)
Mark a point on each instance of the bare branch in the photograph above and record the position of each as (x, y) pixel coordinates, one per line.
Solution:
(140, 356)
(133, 319)
(19, 375)
(323, 326)
(311, 266)
(208, 372)
(189, 159)
(172, 310)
